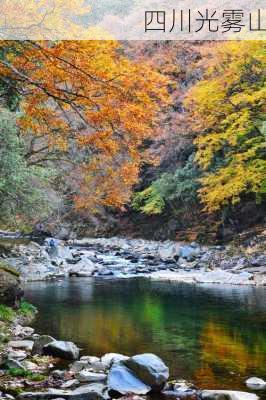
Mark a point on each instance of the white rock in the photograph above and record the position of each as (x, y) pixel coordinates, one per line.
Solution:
(256, 383)
(87, 376)
(69, 384)
(90, 359)
(21, 344)
(111, 358)
(30, 366)
(231, 394)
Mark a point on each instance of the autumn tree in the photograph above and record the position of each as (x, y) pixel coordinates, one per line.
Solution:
(228, 115)
(88, 95)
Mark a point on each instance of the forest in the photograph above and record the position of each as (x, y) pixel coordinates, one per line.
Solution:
(132, 215)
(147, 139)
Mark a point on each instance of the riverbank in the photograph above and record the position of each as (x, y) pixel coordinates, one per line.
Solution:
(238, 263)
(37, 367)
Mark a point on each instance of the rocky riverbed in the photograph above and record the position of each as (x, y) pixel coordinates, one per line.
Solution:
(39, 367)
(239, 264)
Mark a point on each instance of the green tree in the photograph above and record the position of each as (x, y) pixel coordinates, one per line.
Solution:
(177, 189)
(23, 195)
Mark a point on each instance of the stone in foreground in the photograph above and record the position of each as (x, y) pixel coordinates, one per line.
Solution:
(86, 392)
(61, 349)
(227, 395)
(256, 383)
(121, 380)
(21, 344)
(150, 369)
(111, 358)
(40, 342)
(88, 376)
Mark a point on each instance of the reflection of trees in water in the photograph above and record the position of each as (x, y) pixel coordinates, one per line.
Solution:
(223, 352)
(205, 332)
(249, 297)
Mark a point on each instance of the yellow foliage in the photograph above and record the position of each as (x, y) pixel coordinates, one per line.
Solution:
(228, 113)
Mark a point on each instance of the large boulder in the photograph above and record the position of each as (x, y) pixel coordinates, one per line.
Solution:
(121, 380)
(10, 290)
(61, 349)
(150, 369)
(227, 395)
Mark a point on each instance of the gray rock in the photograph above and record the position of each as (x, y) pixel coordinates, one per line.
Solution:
(40, 342)
(24, 331)
(70, 384)
(256, 383)
(29, 366)
(122, 380)
(78, 366)
(21, 344)
(88, 376)
(169, 252)
(13, 364)
(61, 349)
(110, 358)
(10, 290)
(189, 252)
(17, 354)
(85, 392)
(58, 373)
(227, 395)
(150, 369)
(90, 359)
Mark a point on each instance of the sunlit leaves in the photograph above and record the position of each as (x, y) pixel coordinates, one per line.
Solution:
(228, 112)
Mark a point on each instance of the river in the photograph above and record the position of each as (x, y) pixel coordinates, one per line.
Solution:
(212, 335)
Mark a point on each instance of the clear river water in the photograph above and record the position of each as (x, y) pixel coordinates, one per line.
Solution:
(212, 335)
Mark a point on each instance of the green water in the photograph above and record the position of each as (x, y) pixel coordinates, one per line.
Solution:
(214, 336)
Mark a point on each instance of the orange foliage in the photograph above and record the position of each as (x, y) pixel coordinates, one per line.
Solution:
(87, 94)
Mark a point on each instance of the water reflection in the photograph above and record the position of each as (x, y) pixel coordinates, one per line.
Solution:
(211, 334)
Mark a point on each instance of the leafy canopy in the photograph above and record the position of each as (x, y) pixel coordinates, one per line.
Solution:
(228, 113)
(179, 188)
(87, 93)
(21, 191)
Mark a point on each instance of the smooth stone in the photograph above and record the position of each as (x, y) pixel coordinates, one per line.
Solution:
(88, 376)
(69, 384)
(30, 366)
(256, 383)
(13, 364)
(150, 369)
(85, 392)
(110, 358)
(21, 344)
(188, 252)
(58, 373)
(98, 366)
(227, 395)
(17, 354)
(23, 331)
(177, 394)
(40, 342)
(121, 380)
(61, 349)
(78, 366)
(90, 359)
